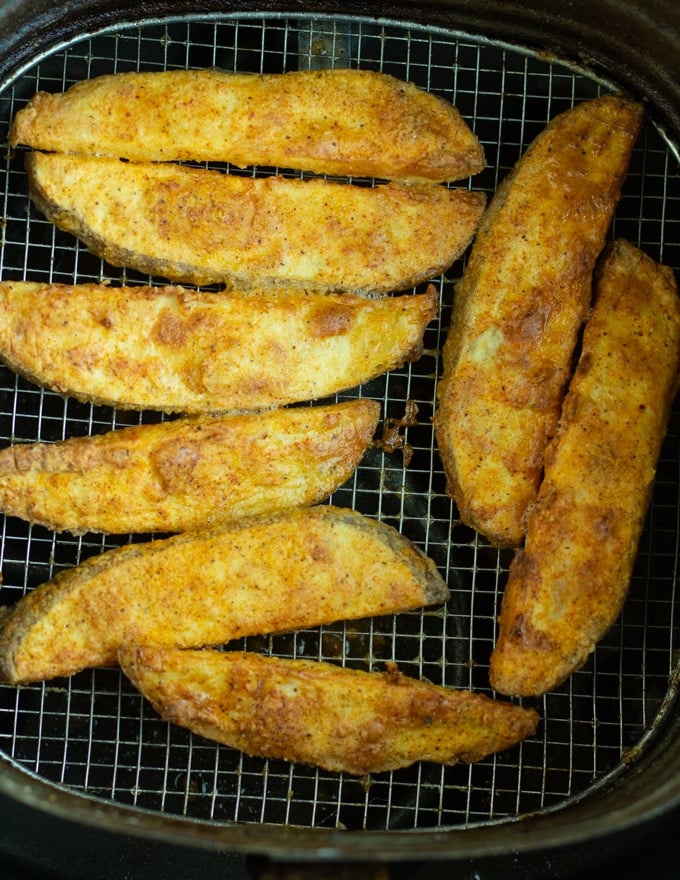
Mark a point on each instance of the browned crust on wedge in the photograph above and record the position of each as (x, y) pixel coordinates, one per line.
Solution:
(345, 122)
(519, 308)
(339, 719)
(188, 473)
(179, 350)
(204, 227)
(567, 587)
(294, 569)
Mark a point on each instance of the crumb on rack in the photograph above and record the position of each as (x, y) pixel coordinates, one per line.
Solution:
(392, 438)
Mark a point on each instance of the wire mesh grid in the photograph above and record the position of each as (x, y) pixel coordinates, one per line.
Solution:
(93, 733)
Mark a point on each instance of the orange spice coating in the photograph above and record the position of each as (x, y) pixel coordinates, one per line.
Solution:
(179, 350)
(519, 308)
(344, 122)
(316, 713)
(188, 473)
(290, 570)
(567, 586)
(204, 226)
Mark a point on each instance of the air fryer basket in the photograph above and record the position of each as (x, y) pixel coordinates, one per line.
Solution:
(607, 753)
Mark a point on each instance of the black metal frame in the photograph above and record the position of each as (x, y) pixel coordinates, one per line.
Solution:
(637, 42)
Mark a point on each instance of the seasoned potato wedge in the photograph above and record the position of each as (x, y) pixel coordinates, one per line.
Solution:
(297, 568)
(567, 586)
(346, 122)
(519, 308)
(178, 350)
(316, 713)
(200, 226)
(187, 473)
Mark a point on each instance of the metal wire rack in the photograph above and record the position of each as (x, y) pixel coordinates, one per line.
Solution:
(94, 734)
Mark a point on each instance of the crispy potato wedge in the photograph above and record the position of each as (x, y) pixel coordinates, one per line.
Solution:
(204, 227)
(187, 473)
(316, 713)
(519, 308)
(178, 350)
(297, 568)
(344, 122)
(567, 586)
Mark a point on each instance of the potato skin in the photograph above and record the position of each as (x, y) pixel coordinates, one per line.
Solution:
(567, 586)
(519, 308)
(302, 119)
(207, 227)
(293, 569)
(343, 720)
(178, 350)
(187, 473)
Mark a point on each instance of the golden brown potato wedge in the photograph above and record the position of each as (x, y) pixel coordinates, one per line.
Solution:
(178, 350)
(347, 122)
(567, 587)
(188, 473)
(316, 713)
(519, 308)
(200, 226)
(297, 568)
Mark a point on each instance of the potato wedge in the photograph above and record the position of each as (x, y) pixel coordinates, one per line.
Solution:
(344, 122)
(178, 350)
(204, 227)
(316, 713)
(297, 568)
(567, 587)
(519, 308)
(187, 473)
